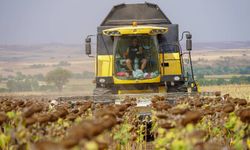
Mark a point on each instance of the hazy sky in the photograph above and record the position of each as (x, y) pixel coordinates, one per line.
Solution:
(69, 21)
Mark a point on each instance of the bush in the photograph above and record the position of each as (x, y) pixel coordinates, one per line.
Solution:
(1, 78)
(22, 85)
(77, 76)
(39, 77)
(3, 90)
(62, 64)
(84, 75)
(47, 88)
(59, 77)
(233, 80)
(88, 75)
(37, 66)
(221, 70)
(20, 76)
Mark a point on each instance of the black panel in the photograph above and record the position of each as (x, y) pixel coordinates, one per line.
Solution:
(170, 78)
(144, 86)
(173, 33)
(144, 13)
(104, 43)
(108, 80)
(169, 42)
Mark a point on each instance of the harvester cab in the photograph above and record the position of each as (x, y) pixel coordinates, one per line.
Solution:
(138, 51)
(135, 53)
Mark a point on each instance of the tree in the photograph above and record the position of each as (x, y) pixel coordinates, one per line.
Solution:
(20, 76)
(39, 77)
(1, 78)
(200, 76)
(88, 75)
(59, 77)
(22, 85)
(11, 85)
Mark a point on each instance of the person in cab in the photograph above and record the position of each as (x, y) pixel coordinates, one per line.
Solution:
(134, 53)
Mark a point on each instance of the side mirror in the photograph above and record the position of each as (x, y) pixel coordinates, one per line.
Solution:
(189, 42)
(88, 46)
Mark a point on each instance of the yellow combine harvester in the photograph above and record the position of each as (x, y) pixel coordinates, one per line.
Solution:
(138, 51)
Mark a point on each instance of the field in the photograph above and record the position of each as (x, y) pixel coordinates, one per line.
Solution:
(46, 57)
(75, 87)
(240, 91)
(198, 123)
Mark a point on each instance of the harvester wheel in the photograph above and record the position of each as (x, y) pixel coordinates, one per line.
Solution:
(177, 89)
(103, 95)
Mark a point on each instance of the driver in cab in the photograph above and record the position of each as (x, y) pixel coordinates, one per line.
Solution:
(135, 51)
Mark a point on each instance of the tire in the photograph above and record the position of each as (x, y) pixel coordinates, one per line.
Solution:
(103, 95)
(177, 88)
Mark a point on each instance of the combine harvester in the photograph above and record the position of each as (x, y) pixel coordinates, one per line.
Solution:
(139, 54)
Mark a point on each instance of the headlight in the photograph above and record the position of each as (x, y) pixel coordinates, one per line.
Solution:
(157, 31)
(177, 78)
(112, 33)
(102, 80)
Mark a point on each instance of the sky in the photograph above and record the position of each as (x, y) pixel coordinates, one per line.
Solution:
(70, 21)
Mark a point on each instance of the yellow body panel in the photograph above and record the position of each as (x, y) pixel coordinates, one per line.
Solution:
(104, 65)
(173, 59)
(134, 30)
(168, 56)
(119, 81)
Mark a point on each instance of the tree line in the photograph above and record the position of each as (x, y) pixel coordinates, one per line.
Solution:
(221, 70)
(234, 80)
(54, 80)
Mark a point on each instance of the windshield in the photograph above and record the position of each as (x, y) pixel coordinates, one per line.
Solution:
(136, 57)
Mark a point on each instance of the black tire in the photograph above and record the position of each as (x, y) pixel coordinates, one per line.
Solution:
(103, 95)
(172, 89)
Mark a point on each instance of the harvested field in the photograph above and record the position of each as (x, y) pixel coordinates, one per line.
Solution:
(240, 91)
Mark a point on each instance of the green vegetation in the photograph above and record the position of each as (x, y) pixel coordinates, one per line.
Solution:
(1, 81)
(225, 66)
(39, 83)
(59, 77)
(8, 70)
(22, 85)
(88, 75)
(1, 78)
(37, 66)
(84, 75)
(221, 70)
(39, 77)
(234, 80)
(62, 64)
